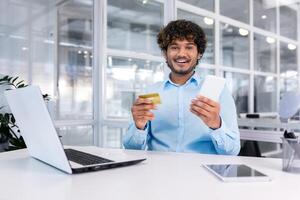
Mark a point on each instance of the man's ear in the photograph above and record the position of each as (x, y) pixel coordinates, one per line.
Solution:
(199, 56)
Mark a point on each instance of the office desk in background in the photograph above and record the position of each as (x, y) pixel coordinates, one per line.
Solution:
(265, 129)
(163, 176)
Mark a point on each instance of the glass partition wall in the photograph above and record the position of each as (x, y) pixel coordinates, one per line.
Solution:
(94, 57)
(50, 44)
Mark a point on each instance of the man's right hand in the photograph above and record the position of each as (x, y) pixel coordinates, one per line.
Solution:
(141, 112)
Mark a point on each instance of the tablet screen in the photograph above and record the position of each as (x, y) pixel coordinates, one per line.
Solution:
(230, 172)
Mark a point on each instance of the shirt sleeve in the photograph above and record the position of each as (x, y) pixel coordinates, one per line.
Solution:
(226, 139)
(135, 138)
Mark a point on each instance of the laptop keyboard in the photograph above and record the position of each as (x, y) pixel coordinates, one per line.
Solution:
(84, 158)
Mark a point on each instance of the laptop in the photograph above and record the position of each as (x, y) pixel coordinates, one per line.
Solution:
(43, 143)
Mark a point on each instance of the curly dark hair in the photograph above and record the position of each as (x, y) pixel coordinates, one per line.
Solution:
(182, 29)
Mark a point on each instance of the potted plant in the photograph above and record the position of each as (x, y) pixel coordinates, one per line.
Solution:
(10, 138)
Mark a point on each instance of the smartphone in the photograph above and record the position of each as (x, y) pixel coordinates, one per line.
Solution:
(212, 87)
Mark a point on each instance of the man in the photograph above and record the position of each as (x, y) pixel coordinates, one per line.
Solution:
(184, 122)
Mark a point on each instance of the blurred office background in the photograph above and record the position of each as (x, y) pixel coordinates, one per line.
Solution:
(94, 56)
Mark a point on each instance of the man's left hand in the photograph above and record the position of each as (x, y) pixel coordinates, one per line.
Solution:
(208, 110)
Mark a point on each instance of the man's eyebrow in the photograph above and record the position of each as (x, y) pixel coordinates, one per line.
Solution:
(191, 43)
(188, 43)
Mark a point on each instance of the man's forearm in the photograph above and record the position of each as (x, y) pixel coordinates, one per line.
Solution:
(135, 138)
(226, 141)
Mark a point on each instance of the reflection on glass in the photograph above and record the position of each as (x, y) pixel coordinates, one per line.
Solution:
(264, 53)
(234, 46)
(133, 25)
(289, 84)
(288, 60)
(206, 4)
(75, 61)
(239, 85)
(43, 53)
(264, 14)
(288, 19)
(113, 137)
(202, 72)
(207, 24)
(235, 9)
(125, 78)
(14, 38)
(265, 94)
(232, 170)
(76, 135)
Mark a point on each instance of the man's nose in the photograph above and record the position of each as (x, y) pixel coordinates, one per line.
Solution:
(181, 52)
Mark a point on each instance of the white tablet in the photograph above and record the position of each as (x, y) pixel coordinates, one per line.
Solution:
(237, 173)
(212, 87)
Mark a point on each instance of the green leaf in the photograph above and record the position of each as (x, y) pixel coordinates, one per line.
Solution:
(20, 82)
(6, 117)
(15, 79)
(13, 120)
(46, 97)
(5, 130)
(18, 143)
(21, 86)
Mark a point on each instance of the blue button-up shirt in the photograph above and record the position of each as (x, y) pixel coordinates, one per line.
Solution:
(177, 129)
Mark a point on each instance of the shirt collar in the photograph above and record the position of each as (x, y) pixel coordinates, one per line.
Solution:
(195, 79)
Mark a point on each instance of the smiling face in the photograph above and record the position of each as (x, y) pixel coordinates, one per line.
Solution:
(182, 56)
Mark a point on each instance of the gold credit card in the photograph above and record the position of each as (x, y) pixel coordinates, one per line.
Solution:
(154, 97)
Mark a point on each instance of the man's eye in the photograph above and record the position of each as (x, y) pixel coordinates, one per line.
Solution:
(189, 47)
(174, 47)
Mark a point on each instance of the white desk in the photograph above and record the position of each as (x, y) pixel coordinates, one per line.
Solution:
(163, 176)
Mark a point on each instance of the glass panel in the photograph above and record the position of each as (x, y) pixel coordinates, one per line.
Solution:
(202, 72)
(288, 84)
(235, 9)
(76, 135)
(14, 44)
(264, 14)
(207, 24)
(206, 4)
(288, 60)
(239, 85)
(113, 136)
(288, 19)
(43, 53)
(264, 53)
(265, 99)
(288, 68)
(234, 44)
(75, 61)
(125, 78)
(133, 25)
(27, 50)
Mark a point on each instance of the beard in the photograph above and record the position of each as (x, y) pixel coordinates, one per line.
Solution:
(182, 71)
